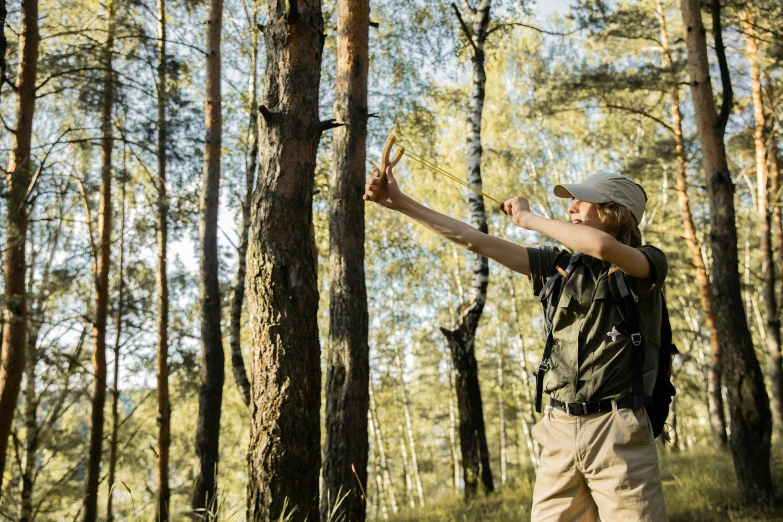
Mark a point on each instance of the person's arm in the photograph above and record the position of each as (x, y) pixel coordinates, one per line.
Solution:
(585, 239)
(504, 252)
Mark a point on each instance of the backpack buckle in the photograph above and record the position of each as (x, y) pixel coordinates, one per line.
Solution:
(636, 339)
(543, 366)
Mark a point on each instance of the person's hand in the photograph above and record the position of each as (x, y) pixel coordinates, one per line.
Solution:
(518, 208)
(389, 193)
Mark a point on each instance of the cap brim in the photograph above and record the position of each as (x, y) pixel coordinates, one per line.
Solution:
(580, 192)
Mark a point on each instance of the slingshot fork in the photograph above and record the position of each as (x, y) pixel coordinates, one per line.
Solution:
(386, 162)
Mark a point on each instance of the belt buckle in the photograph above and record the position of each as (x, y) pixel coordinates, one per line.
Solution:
(569, 408)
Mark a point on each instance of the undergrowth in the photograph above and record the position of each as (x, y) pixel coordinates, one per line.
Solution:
(699, 486)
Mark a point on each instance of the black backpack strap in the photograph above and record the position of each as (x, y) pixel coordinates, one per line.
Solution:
(549, 297)
(626, 305)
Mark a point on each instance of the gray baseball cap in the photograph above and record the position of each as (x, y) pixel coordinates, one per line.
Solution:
(604, 187)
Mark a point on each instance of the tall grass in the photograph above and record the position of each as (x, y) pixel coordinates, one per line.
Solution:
(699, 486)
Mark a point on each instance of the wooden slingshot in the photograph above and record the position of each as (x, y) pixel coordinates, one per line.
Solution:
(385, 162)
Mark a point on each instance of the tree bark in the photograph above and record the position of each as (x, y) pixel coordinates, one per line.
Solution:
(461, 339)
(204, 501)
(455, 467)
(115, 392)
(747, 398)
(284, 454)
(102, 265)
(714, 393)
(237, 360)
(20, 169)
(348, 367)
(162, 284)
(773, 340)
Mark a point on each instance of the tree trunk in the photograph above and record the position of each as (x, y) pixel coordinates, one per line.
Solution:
(204, 501)
(502, 419)
(284, 454)
(747, 398)
(20, 169)
(774, 368)
(455, 467)
(162, 284)
(387, 485)
(102, 265)
(714, 394)
(31, 427)
(115, 392)
(461, 339)
(348, 367)
(409, 430)
(237, 361)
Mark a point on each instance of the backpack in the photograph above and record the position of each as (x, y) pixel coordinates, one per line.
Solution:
(657, 404)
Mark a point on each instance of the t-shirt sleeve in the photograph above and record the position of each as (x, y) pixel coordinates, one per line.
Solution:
(542, 265)
(659, 266)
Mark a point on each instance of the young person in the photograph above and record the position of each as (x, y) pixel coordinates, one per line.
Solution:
(598, 451)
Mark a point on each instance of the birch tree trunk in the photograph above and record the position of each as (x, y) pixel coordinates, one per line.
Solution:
(455, 467)
(461, 339)
(387, 485)
(502, 419)
(102, 265)
(774, 368)
(747, 398)
(210, 399)
(31, 426)
(714, 392)
(20, 170)
(284, 454)
(162, 283)
(348, 367)
(237, 360)
(115, 392)
(409, 431)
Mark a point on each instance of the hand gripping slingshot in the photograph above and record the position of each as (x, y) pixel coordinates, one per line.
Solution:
(386, 162)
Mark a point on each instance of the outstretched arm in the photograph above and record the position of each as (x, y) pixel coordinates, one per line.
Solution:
(390, 196)
(581, 238)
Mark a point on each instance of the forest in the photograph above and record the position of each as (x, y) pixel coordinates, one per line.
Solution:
(202, 319)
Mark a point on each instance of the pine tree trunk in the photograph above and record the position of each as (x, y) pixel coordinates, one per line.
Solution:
(714, 394)
(237, 360)
(774, 368)
(461, 339)
(284, 454)
(102, 265)
(20, 170)
(115, 392)
(747, 398)
(204, 501)
(348, 368)
(162, 284)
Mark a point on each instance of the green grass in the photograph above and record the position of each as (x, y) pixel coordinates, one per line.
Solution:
(699, 486)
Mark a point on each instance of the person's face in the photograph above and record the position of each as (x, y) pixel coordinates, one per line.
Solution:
(583, 213)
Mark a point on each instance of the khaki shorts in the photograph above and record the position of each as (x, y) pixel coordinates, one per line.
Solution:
(601, 465)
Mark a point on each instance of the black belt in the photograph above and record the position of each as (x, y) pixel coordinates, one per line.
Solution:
(586, 408)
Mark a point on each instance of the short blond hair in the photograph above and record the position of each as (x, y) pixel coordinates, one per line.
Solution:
(621, 221)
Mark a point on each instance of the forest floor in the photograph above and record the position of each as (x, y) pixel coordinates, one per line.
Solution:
(699, 486)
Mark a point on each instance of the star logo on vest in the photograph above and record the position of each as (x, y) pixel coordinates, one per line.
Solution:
(614, 334)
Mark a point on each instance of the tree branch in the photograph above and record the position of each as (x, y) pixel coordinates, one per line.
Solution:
(328, 124)
(640, 113)
(720, 50)
(465, 28)
(528, 26)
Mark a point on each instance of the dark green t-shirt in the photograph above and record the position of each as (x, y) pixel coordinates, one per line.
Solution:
(587, 365)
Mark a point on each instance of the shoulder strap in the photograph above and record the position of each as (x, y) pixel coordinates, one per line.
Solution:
(565, 265)
(626, 305)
